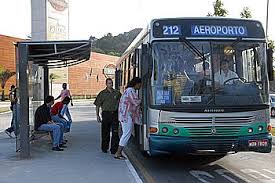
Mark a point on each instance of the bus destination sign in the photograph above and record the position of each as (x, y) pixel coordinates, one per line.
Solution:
(170, 30)
(220, 28)
(217, 30)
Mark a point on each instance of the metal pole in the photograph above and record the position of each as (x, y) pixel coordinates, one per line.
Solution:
(46, 82)
(68, 36)
(267, 9)
(24, 101)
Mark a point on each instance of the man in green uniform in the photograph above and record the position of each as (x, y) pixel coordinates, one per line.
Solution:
(108, 101)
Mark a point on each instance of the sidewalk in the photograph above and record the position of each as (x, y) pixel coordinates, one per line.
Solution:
(5, 121)
(81, 162)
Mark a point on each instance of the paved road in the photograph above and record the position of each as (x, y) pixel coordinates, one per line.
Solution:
(234, 168)
(5, 120)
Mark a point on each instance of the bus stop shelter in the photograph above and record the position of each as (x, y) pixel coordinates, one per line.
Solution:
(34, 59)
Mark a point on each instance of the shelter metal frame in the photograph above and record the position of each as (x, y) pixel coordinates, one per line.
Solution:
(47, 54)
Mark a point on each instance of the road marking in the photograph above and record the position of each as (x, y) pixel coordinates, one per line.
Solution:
(240, 176)
(253, 174)
(269, 171)
(198, 173)
(222, 173)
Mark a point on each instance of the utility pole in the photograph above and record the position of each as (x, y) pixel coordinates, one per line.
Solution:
(267, 9)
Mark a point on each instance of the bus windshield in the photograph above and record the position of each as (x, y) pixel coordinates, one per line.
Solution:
(203, 73)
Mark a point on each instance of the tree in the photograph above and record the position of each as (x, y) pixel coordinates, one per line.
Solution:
(271, 44)
(53, 76)
(97, 50)
(246, 13)
(219, 10)
(114, 45)
(5, 75)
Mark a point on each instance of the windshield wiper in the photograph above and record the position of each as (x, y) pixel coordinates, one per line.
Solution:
(192, 48)
(239, 39)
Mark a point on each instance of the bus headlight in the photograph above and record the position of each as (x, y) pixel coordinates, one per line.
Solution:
(250, 130)
(176, 131)
(260, 128)
(164, 129)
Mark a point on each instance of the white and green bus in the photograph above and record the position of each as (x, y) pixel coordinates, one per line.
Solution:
(205, 85)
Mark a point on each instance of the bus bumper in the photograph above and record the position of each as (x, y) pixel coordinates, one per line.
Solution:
(184, 145)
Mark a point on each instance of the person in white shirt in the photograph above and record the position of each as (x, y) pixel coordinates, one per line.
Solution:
(225, 74)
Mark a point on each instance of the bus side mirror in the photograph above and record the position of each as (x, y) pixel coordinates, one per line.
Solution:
(146, 61)
(270, 64)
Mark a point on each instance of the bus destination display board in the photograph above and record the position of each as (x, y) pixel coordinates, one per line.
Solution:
(169, 28)
(217, 30)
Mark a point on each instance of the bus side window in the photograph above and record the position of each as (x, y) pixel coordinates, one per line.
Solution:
(135, 61)
(121, 77)
(118, 78)
(132, 66)
(251, 62)
(129, 68)
(124, 72)
(139, 63)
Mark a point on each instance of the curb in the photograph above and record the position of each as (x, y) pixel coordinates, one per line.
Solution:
(273, 131)
(142, 173)
(273, 135)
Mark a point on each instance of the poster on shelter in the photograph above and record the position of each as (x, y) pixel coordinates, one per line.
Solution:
(58, 29)
(57, 19)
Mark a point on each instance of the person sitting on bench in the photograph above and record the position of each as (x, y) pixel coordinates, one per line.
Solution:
(58, 111)
(44, 122)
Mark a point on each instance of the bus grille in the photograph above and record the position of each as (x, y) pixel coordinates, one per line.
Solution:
(214, 126)
(217, 131)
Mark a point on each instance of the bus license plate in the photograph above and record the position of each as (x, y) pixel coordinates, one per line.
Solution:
(258, 143)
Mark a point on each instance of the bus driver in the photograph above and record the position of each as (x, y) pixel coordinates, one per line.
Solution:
(225, 74)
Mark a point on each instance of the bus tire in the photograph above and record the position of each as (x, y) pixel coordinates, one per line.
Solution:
(145, 154)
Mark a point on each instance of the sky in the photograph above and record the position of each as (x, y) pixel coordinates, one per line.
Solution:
(99, 17)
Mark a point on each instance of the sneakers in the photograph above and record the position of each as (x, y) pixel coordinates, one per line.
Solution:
(8, 133)
(121, 157)
(62, 146)
(57, 149)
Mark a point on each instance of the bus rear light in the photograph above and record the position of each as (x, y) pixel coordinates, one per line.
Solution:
(153, 130)
(164, 130)
(269, 128)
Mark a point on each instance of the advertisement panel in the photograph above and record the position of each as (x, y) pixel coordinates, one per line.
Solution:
(57, 19)
(58, 29)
